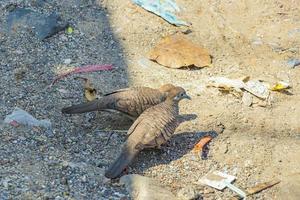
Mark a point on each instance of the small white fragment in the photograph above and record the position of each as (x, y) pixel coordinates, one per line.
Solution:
(67, 61)
(257, 88)
(247, 99)
(22, 117)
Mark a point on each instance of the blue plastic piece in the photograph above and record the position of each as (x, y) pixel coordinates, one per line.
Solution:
(162, 8)
(293, 62)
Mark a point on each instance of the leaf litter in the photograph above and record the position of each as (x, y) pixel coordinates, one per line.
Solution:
(176, 51)
(89, 91)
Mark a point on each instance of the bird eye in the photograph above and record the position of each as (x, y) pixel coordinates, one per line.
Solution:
(181, 94)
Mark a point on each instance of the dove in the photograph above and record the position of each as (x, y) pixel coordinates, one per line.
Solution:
(151, 129)
(129, 101)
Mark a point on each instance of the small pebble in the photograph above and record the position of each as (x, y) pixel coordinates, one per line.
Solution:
(188, 193)
(59, 198)
(208, 190)
(67, 61)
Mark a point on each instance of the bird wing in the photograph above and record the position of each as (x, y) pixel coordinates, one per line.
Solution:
(136, 100)
(154, 127)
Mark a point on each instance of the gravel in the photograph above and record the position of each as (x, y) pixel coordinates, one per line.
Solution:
(64, 165)
(258, 143)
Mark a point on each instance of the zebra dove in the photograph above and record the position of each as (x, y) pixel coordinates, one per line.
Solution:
(151, 129)
(129, 101)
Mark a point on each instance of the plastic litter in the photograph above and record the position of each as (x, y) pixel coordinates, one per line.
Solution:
(202, 142)
(226, 83)
(280, 86)
(293, 62)
(243, 87)
(220, 180)
(202, 147)
(87, 68)
(257, 88)
(164, 9)
(294, 32)
(247, 99)
(19, 116)
(144, 62)
(69, 30)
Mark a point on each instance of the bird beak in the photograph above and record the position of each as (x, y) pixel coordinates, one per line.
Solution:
(187, 97)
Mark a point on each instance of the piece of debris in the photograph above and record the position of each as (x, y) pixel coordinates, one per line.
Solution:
(262, 186)
(293, 32)
(67, 61)
(144, 188)
(63, 91)
(42, 25)
(84, 69)
(143, 62)
(69, 30)
(89, 91)
(19, 116)
(186, 31)
(238, 86)
(220, 181)
(257, 88)
(201, 147)
(280, 86)
(164, 9)
(226, 84)
(177, 51)
(247, 99)
(293, 62)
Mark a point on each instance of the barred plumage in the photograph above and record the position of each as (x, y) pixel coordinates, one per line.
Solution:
(130, 101)
(152, 128)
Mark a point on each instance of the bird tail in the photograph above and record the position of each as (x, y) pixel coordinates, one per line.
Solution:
(86, 107)
(127, 155)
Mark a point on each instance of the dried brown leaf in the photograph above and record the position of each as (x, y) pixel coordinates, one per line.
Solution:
(177, 51)
(89, 91)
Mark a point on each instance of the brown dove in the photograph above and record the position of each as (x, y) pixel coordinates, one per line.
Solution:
(151, 129)
(130, 101)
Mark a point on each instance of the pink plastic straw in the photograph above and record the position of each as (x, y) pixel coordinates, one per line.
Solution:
(86, 68)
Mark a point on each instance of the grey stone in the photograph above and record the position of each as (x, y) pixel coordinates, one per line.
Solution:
(42, 25)
(59, 198)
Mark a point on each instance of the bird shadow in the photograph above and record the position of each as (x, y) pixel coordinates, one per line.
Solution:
(122, 123)
(178, 146)
(186, 117)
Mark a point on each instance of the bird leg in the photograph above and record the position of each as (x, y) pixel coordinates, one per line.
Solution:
(112, 132)
(108, 139)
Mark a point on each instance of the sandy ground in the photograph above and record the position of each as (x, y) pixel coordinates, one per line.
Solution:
(245, 38)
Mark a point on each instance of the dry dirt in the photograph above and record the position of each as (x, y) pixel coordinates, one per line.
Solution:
(245, 38)
(253, 38)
